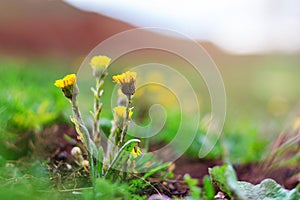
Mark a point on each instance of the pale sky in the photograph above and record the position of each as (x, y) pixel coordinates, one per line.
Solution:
(238, 26)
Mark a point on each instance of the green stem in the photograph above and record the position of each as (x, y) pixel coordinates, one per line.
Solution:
(75, 105)
(126, 121)
(87, 138)
(97, 109)
(147, 141)
(98, 106)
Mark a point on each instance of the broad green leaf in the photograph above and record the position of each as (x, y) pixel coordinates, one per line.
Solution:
(121, 158)
(146, 161)
(99, 163)
(225, 178)
(208, 189)
(157, 169)
(105, 125)
(268, 189)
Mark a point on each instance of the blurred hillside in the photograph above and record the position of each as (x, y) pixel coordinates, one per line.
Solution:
(35, 26)
(53, 29)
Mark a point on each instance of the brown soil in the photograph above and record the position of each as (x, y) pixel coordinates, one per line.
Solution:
(253, 173)
(194, 167)
(55, 142)
(54, 145)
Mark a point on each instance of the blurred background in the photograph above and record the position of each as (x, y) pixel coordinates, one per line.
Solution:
(255, 44)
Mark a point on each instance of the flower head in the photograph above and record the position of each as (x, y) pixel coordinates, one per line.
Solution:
(126, 81)
(76, 151)
(120, 112)
(66, 84)
(126, 77)
(67, 81)
(99, 65)
(136, 151)
(100, 62)
(85, 163)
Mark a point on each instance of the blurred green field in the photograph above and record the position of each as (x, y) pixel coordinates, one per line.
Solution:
(262, 99)
(28, 98)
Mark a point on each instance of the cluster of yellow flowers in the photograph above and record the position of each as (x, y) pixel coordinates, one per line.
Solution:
(127, 85)
(97, 63)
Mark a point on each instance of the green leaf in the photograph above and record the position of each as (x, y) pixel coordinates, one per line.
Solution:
(195, 191)
(209, 191)
(99, 163)
(105, 125)
(105, 189)
(146, 162)
(2, 161)
(70, 139)
(121, 158)
(268, 189)
(157, 169)
(225, 178)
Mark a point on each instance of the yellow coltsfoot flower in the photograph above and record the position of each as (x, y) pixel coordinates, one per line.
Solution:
(136, 151)
(127, 82)
(120, 112)
(66, 84)
(99, 64)
(67, 81)
(120, 115)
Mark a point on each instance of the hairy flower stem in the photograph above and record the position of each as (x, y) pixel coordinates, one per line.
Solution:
(125, 122)
(75, 105)
(97, 106)
(86, 135)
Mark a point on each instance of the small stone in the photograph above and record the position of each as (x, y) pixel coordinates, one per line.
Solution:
(220, 196)
(62, 156)
(69, 167)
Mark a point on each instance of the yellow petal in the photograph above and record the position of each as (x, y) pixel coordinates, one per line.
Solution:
(67, 81)
(127, 77)
(100, 61)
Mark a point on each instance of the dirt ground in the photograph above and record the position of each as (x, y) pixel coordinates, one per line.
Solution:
(53, 144)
